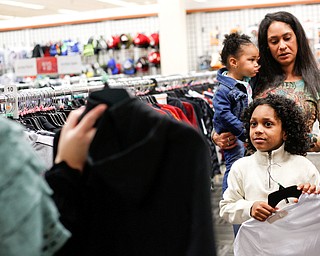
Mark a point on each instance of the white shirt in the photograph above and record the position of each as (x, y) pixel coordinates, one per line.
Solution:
(297, 232)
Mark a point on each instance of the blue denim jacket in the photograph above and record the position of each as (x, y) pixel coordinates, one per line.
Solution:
(229, 101)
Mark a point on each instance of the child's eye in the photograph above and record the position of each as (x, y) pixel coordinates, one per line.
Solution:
(268, 124)
(253, 124)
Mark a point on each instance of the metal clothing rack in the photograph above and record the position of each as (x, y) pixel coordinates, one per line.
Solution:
(15, 98)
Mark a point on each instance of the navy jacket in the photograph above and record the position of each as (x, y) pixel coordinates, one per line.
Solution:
(229, 102)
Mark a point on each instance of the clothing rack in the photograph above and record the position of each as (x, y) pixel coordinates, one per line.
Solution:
(15, 98)
(186, 78)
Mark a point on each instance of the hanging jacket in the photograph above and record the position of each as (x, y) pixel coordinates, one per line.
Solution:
(144, 191)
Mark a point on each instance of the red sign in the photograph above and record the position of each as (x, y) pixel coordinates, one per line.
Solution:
(47, 65)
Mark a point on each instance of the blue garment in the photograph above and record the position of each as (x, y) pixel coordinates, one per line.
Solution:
(229, 102)
(236, 228)
(230, 156)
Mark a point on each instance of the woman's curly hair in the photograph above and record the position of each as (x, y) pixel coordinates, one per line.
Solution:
(292, 119)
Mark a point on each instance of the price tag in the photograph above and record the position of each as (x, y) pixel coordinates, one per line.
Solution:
(11, 106)
(10, 88)
(47, 65)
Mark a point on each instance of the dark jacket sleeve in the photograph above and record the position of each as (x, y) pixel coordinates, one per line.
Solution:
(67, 186)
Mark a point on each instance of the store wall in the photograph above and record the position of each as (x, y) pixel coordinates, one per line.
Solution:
(14, 41)
(202, 29)
(203, 26)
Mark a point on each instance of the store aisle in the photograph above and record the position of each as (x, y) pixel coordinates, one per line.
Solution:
(223, 230)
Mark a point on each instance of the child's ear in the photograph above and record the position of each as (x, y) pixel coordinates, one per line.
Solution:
(284, 136)
(233, 62)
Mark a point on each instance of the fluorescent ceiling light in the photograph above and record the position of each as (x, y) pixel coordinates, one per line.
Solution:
(118, 2)
(6, 17)
(23, 5)
(66, 11)
(200, 1)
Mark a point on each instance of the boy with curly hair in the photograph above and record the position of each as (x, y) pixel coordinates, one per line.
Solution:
(277, 132)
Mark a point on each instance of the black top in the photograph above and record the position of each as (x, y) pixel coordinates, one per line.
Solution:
(144, 191)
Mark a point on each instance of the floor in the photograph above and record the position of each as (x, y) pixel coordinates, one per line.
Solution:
(223, 230)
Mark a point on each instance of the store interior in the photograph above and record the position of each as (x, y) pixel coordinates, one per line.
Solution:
(191, 44)
(133, 39)
(54, 53)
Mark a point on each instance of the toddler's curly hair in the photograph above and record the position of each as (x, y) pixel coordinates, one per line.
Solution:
(292, 118)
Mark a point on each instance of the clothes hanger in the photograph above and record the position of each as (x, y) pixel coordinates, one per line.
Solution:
(283, 193)
(108, 96)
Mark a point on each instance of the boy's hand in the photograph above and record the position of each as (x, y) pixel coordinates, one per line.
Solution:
(261, 210)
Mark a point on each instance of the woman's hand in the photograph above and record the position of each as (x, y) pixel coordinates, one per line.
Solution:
(261, 210)
(315, 143)
(224, 140)
(306, 189)
(75, 138)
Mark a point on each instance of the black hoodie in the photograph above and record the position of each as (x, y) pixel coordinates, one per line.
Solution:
(144, 191)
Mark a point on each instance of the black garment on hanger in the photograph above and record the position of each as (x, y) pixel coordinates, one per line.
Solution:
(37, 51)
(145, 190)
(106, 96)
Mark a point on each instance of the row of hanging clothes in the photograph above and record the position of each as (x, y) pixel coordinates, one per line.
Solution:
(43, 112)
(191, 96)
(149, 166)
(186, 98)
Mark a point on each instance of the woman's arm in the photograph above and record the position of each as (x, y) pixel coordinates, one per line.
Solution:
(66, 176)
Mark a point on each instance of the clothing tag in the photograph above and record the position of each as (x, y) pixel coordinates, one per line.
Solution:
(204, 127)
(278, 215)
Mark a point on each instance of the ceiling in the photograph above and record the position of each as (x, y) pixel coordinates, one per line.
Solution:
(51, 7)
